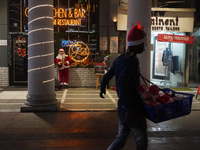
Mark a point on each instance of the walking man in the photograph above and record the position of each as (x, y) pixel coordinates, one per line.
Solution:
(131, 110)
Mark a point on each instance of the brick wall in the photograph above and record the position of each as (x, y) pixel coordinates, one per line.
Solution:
(4, 77)
(80, 77)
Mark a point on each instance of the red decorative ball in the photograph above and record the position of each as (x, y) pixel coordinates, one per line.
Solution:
(154, 90)
(142, 88)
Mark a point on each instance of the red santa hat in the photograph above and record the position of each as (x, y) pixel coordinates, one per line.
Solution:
(61, 50)
(136, 35)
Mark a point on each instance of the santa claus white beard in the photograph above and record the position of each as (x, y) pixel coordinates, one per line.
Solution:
(62, 58)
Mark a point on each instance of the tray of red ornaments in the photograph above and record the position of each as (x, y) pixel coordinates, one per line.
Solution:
(165, 104)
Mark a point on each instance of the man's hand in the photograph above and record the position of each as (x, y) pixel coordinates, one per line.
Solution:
(102, 92)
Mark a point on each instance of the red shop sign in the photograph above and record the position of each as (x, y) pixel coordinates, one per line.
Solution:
(175, 38)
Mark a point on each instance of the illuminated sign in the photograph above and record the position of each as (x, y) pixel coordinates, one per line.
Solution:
(88, 7)
(26, 11)
(70, 16)
(79, 51)
(67, 43)
(67, 17)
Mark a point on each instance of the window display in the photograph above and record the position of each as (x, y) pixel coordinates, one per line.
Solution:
(162, 55)
(168, 60)
(76, 30)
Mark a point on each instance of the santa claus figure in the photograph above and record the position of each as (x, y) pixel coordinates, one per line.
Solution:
(63, 62)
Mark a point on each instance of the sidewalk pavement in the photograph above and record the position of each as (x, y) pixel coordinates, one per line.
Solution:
(91, 131)
(72, 99)
(73, 128)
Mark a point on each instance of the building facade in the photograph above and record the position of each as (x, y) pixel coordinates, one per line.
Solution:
(101, 26)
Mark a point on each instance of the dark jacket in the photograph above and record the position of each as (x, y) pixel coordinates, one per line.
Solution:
(126, 71)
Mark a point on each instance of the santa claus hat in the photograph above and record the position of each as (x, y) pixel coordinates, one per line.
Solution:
(136, 35)
(61, 50)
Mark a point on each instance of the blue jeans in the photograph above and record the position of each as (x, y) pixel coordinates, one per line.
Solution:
(139, 131)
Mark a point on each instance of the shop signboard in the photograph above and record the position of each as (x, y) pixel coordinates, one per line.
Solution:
(163, 19)
(100, 65)
(175, 38)
(172, 20)
(100, 68)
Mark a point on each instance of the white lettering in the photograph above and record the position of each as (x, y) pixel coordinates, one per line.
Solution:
(168, 37)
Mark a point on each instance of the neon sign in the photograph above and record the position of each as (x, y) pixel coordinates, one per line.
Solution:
(70, 16)
(67, 17)
(67, 43)
(79, 51)
(88, 7)
(69, 13)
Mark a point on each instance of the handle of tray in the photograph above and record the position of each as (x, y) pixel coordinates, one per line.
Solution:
(145, 79)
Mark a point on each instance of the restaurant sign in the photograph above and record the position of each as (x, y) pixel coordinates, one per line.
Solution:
(78, 51)
(67, 16)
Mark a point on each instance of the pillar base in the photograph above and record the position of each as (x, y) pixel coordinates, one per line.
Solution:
(51, 108)
(41, 100)
(41, 103)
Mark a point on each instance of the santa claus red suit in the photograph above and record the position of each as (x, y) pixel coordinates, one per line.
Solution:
(63, 62)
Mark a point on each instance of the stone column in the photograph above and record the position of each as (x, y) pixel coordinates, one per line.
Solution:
(141, 10)
(41, 88)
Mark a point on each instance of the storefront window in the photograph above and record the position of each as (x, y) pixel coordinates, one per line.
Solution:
(75, 22)
(76, 30)
(168, 61)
